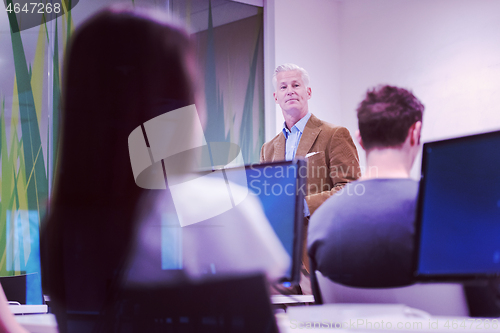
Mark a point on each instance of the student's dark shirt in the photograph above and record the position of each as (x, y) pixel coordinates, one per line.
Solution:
(363, 235)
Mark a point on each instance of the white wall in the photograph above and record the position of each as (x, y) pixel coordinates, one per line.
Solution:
(306, 33)
(446, 51)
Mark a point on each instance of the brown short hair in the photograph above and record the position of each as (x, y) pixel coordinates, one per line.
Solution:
(385, 116)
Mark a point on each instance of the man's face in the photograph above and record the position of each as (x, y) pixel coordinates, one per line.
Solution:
(291, 93)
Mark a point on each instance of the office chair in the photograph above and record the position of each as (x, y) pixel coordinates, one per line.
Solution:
(231, 304)
(438, 299)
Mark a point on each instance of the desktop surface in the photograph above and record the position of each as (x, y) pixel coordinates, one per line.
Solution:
(376, 317)
(38, 323)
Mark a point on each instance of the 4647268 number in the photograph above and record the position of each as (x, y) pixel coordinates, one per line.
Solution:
(34, 7)
(472, 324)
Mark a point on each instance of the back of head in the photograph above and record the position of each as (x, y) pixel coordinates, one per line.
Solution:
(123, 68)
(385, 116)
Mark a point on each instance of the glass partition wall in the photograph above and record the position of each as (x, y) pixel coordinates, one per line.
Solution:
(229, 43)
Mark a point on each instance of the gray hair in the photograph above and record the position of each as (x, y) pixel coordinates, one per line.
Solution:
(290, 67)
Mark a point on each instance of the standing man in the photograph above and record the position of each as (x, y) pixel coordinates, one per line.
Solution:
(332, 159)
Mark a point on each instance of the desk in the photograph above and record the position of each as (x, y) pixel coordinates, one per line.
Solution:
(38, 323)
(360, 318)
(376, 318)
(28, 309)
(289, 299)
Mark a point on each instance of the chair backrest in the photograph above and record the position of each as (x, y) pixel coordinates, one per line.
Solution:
(438, 299)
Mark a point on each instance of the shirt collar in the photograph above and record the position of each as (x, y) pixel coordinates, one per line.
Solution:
(300, 125)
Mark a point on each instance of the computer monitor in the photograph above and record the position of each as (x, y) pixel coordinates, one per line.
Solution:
(21, 272)
(281, 188)
(458, 216)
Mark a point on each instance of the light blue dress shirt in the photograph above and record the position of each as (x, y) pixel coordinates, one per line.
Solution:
(292, 138)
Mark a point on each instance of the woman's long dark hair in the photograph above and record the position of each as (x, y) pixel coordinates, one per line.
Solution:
(123, 68)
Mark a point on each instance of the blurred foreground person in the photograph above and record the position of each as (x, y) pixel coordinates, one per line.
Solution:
(125, 67)
(8, 323)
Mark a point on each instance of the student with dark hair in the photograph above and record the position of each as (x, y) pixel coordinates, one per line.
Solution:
(124, 67)
(119, 72)
(363, 235)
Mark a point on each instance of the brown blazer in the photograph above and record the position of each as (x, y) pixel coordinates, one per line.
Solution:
(334, 163)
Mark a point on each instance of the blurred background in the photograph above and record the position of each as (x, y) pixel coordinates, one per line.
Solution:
(446, 51)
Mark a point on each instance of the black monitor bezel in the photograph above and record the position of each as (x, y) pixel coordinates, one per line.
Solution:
(456, 277)
(298, 239)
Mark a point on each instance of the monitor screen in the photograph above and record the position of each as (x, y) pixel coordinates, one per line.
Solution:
(458, 218)
(281, 188)
(20, 265)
